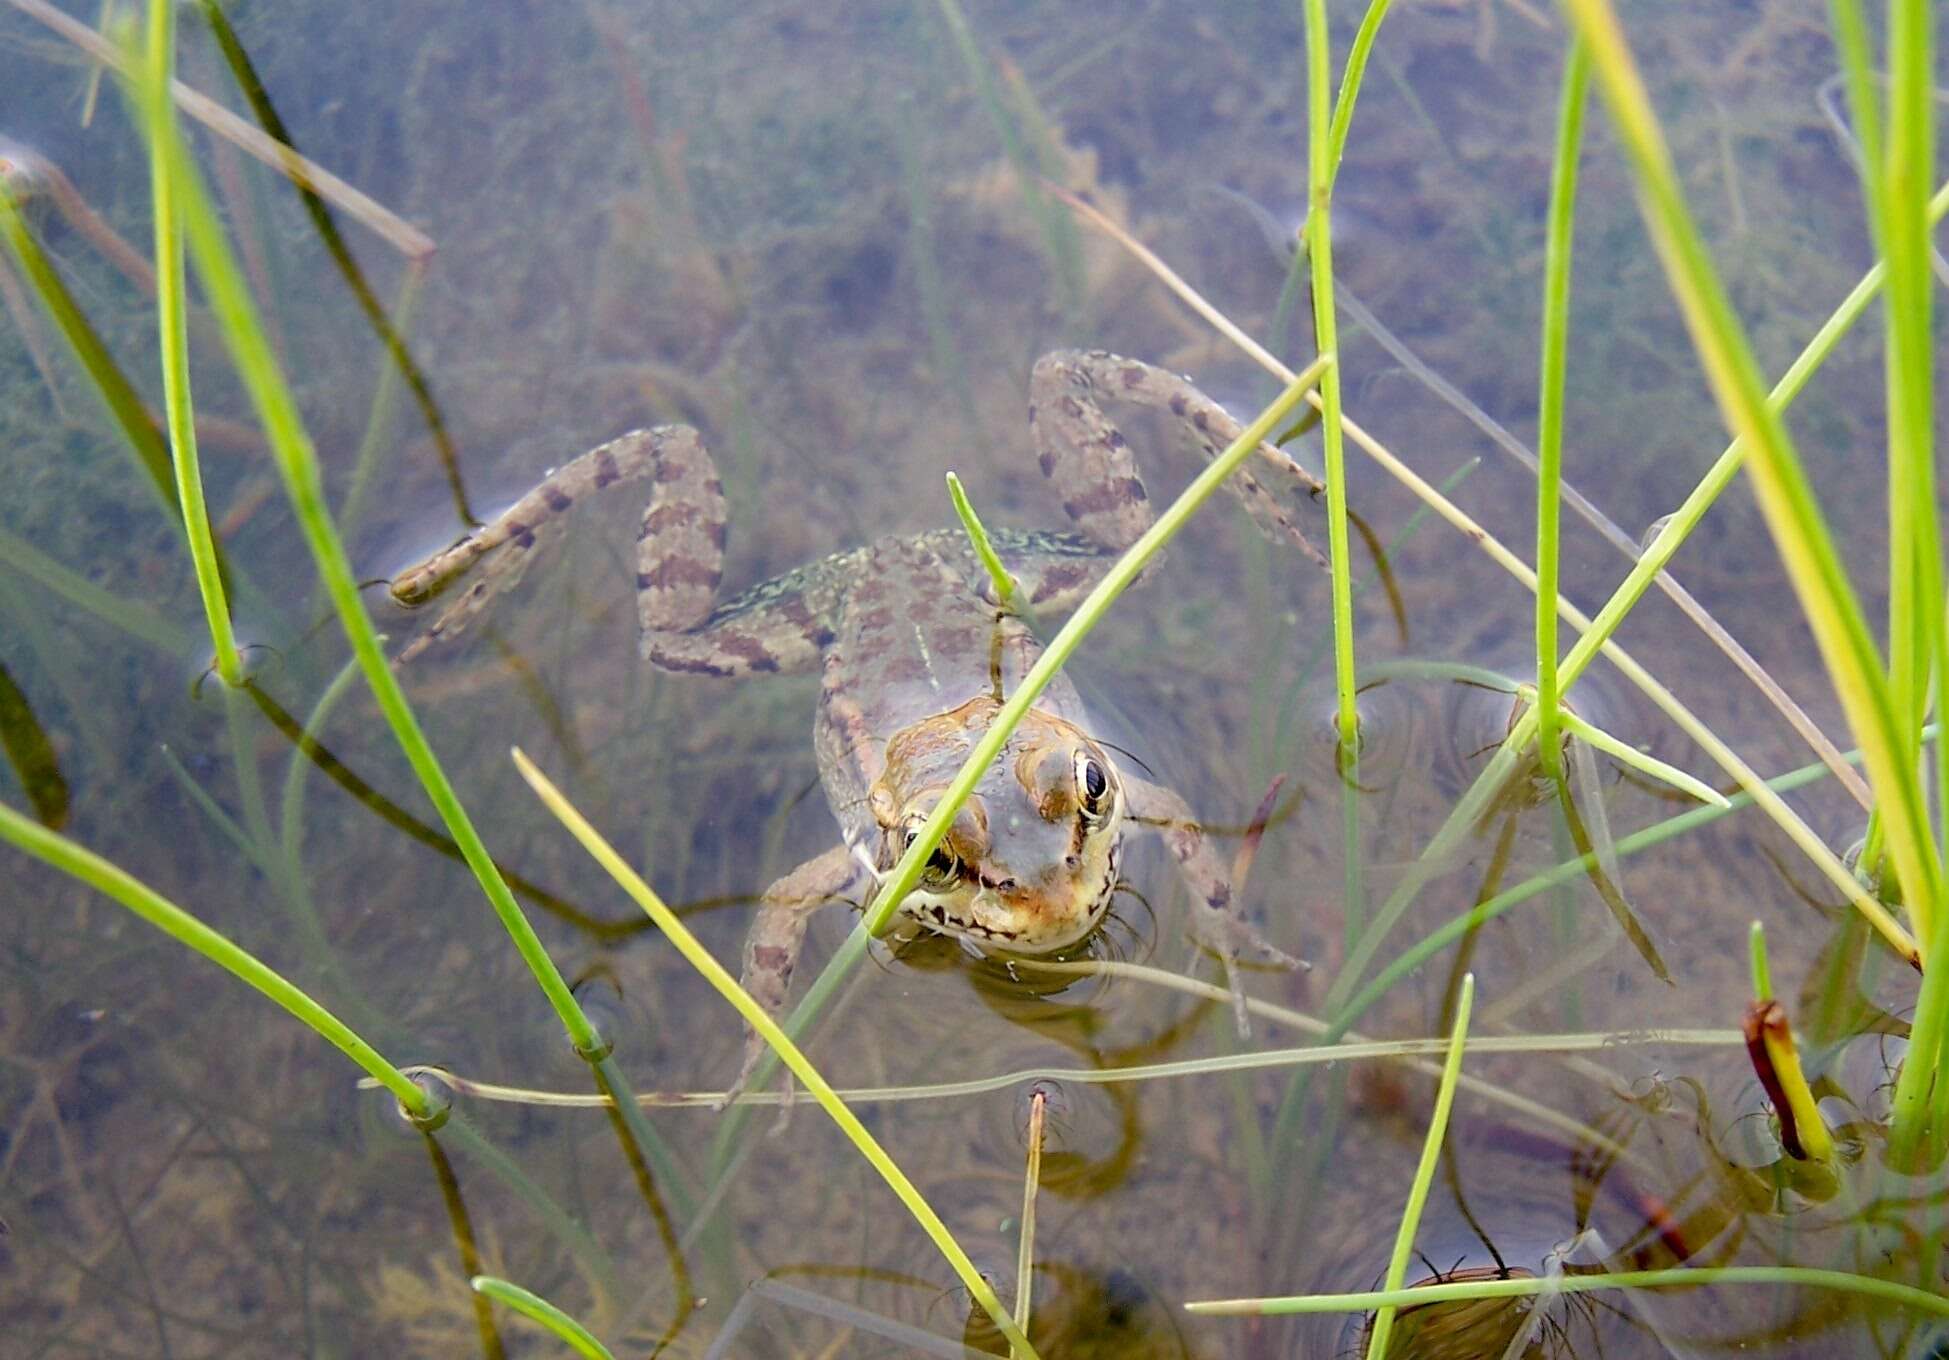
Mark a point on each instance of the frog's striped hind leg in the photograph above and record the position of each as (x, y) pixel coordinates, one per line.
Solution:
(1216, 922)
(771, 950)
(680, 549)
(1090, 464)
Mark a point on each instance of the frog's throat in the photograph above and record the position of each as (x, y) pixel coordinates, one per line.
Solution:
(1039, 923)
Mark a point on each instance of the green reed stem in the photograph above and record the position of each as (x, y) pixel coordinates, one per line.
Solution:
(28, 752)
(1849, 27)
(171, 314)
(1350, 80)
(537, 1309)
(1031, 1183)
(1630, 756)
(983, 546)
(1688, 1277)
(1549, 418)
(1850, 30)
(788, 1052)
(1786, 499)
(1909, 356)
(1319, 247)
(118, 395)
(1361, 1050)
(1424, 1171)
(81, 863)
(1756, 954)
(1921, 1100)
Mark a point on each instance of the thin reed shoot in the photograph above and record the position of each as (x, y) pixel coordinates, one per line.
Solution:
(788, 1052)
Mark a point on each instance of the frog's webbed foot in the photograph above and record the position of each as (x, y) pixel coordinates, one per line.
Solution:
(1215, 920)
(680, 549)
(1088, 460)
(771, 950)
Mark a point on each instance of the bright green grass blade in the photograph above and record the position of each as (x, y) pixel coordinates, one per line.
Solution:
(984, 548)
(172, 324)
(1350, 80)
(1424, 1172)
(537, 1309)
(1786, 499)
(1756, 954)
(1915, 546)
(117, 394)
(1031, 1183)
(1850, 29)
(1549, 416)
(79, 862)
(801, 1067)
(1626, 754)
(1319, 247)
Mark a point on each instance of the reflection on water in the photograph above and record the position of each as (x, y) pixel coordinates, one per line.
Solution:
(800, 231)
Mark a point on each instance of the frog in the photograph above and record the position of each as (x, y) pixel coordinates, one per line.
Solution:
(916, 649)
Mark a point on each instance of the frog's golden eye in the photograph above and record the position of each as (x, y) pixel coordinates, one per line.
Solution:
(1092, 787)
(943, 866)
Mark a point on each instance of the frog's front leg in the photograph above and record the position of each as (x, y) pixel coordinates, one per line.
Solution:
(1089, 462)
(1216, 922)
(771, 950)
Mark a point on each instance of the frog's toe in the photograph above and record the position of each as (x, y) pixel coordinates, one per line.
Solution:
(1272, 954)
(754, 1049)
(754, 1052)
(1231, 939)
(1240, 1011)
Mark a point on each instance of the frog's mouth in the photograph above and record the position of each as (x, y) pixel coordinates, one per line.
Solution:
(1029, 862)
(1028, 919)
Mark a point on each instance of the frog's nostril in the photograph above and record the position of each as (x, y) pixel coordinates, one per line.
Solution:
(1072, 862)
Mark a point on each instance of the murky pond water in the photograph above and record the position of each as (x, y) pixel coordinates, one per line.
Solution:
(799, 229)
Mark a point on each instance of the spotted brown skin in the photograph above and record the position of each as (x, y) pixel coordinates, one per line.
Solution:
(914, 660)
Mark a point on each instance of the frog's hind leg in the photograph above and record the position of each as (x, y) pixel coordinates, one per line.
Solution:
(771, 951)
(1216, 922)
(1090, 464)
(680, 549)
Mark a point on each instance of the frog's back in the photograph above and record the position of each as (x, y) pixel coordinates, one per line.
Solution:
(914, 635)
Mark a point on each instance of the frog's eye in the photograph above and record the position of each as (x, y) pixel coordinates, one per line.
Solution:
(1092, 787)
(943, 867)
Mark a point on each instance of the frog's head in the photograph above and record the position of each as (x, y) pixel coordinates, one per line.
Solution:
(1030, 860)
